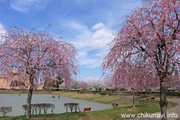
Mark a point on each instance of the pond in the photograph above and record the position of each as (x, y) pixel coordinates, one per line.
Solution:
(17, 101)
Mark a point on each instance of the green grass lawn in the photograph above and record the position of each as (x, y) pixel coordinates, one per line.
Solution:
(90, 97)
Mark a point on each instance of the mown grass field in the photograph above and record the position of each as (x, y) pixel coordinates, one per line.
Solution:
(90, 97)
(110, 114)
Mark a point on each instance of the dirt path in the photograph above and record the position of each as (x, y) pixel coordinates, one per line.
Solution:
(175, 110)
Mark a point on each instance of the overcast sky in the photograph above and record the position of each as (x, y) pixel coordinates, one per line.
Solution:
(89, 24)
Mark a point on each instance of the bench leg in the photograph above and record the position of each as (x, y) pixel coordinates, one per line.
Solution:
(25, 112)
(79, 109)
(4, 113)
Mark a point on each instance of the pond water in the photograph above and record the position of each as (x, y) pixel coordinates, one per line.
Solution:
(17, 101)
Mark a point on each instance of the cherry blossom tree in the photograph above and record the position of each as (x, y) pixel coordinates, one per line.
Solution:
(36, 57)
(82, 85)
(150, 37)
(74, 84)
(132, 77)
(95, 84)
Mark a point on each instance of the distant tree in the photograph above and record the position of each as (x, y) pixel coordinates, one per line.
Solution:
(17, 83)
(55, 84)
(82, 85)
(132, 77)
(74, 84)
(150, 36)
(36, 56)
(96, 85)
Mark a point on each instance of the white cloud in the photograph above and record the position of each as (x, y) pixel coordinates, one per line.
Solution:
(82, 54)
(91, 79)
(2, 31)
(77, 26)
(28, 5)
(97, 39)
(101, 37)
(98, 26)
(83, 34)
(102, 53)
(94, 40)
(90, 62)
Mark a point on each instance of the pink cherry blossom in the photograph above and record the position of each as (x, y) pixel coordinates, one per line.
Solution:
(147, 48)
(35, 57)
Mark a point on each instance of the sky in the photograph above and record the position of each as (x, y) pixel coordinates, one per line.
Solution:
(88, 24)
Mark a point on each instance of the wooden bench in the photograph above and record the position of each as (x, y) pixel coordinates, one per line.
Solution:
(145, 99)
(87, 109)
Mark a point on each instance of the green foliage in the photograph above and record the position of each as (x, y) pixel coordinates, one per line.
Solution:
(55, 84)
(17, 83)
(59, 82)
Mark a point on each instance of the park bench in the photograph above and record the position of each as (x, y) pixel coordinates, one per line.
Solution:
(146, 99)
(87, 109)
(5, 109)
(39, 107)
(72, 106)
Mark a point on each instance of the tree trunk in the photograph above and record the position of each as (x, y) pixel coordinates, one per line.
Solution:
(146, 92)
(118, 92)
(29, 97)
(133, 99)
(163, 101)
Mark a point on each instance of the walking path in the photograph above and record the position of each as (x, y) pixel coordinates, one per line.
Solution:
(175, 110)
